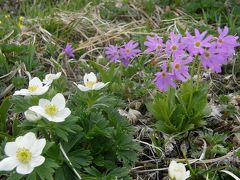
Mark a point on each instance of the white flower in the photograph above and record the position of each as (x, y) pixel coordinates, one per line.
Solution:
(53, 110)
(90, 83)
(32, 116)
(49, 78)
(24, 153)
(35, 87)
(177, 171)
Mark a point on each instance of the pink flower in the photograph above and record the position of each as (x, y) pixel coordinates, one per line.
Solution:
(129, 51)
(212, 59)
(154, 44)
(164, 79)
(112, 53)
(68, 50)
(196, 44)
(180, 70)
(173, 45)
(226, 43)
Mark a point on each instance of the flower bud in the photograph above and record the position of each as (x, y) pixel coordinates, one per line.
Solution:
(32, 116)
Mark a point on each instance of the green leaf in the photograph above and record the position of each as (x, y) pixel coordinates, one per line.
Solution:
(118, 172)
(15, 176)
(65, 173)
(46, 170)
(80, 158)
(3, 114)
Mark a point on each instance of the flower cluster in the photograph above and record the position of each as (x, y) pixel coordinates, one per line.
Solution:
(124, 54)
(213, 52)
(25, 153)
(180, 51)
(53, 110)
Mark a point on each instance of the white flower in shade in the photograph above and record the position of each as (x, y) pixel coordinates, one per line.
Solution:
(32, 116)
(49, 78)
(53, 110)
(90, 83)
(177, 171)
(35, 87)
(24, 153)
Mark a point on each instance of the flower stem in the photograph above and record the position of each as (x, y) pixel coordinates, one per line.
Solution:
(198, 74)
(192, 69)
(189, 166)
(66, 157)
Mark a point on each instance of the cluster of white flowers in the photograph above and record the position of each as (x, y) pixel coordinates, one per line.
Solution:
(25, 153)
(55, 109)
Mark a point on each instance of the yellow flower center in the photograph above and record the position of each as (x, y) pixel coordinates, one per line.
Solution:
(115, 53)
(159, 46)
(32, 88)
(24, 155)
(174, 47)
(127, 50)
(90, 84)
(21, 18)
(177, 66)
(164, 74)
(220, 40)
(207, 54)
(197, 44)
(51, 109)
(50, 77)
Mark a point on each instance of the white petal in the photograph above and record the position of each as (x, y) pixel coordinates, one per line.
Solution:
(59, 101)
(41, 90)
(43, 102)
(171, 171)
(28, 140)
(11, 148)
(32, 116)
(187, 175)
(58, 75)
(37, 161)
(47, 81)
(19, 139)
(38, 146)
(99, 85)
(22, 92)
(36, 82)
(89, 77)
(24, 169)
(56, 119)
(177, 171)
(63, 113)
(83, 88)
(8, 164)
(40, 111)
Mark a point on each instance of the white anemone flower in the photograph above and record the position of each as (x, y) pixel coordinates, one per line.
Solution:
(35, 87)
(49, 78)
(24, 153)
(32, 116)
(177, 171)
(90, 83)
(53, 110)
